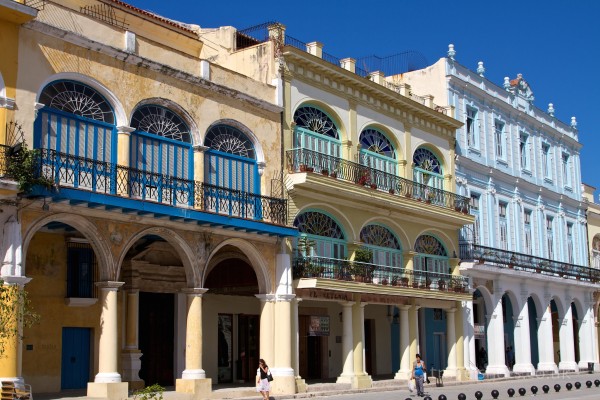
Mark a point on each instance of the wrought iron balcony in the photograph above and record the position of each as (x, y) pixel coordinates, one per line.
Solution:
(71, 172)
(304, 160)
(345, 270)
(525, 262)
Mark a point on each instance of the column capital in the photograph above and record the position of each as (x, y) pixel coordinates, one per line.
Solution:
(347, 303)
(200, 148)
(451, 310)
(266, 297)
(194, 291)
(404, 307)
(110, 285)
(15, 280)
(284, 297)
(126, 130)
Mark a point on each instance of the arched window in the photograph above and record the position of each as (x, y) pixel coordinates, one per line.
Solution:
(326, 234)
(432, 255)
(376, 151)
(316, 131)
(383, 244)
(79, 123)
(159, 147)
(427, 169)
(596, 252)
(230, 161)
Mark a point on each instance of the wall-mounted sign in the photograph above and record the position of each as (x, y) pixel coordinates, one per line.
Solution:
(479, 331)
(319, 326)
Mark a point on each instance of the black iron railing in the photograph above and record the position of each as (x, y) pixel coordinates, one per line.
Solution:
(525, 262)
(65, 170)
(303, 160)
(345, 270)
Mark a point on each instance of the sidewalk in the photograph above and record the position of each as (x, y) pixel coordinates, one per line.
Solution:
(450, 388)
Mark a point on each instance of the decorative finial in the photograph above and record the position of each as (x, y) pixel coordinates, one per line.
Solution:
(480, 68)
(451, 52)
(551, 109)
(573, 122)
(506, 83)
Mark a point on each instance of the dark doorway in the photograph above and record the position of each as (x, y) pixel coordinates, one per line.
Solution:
(75, 364)
(370, 350)
(248, 347)
(157, 337)
(311, 351)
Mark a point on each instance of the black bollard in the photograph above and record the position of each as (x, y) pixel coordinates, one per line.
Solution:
(534, 390)
(427, 398)
(495, 394)
(569, 386)
(546, 388)
(589, 384)
(511, 392)
(597, 382)
(522, 391)
(577, 385)
(442, 397)
(478, 395)
(462, 396)
(557, 387)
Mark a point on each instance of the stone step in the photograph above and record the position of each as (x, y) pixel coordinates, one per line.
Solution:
(328, 387)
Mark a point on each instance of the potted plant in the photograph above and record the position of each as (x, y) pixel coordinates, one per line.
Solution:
(442, 284)
(333, 174)
(362, 272)
(384, 281)
(392, 191)
(310, 169)
(325, 172)
(373, 186)
(305, 250)
(303, 167)
(404, 281)
(395, 281)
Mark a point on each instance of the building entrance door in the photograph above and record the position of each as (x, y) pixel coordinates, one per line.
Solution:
(75, 365)
(157, 328)
(248, 347)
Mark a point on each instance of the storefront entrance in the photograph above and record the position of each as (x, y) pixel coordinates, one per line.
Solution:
(248, 347)
(156, 327)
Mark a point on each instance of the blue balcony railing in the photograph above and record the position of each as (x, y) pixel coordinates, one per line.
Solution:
(524, 262)
(345, 270)
(304, 160)
(68, 171)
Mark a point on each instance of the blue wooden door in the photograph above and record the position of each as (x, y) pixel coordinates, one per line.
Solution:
(75, 365)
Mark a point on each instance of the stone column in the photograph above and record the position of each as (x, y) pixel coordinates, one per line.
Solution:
(107, 382)
(587, 346)
(567, 345)
(267, 327)
(469, 338)
(10, 362)
(199, 152)
(193, 379)
(451, 369)
(123, 158)
(11, 247)
(347, 344)
(545, 342)
(405, 368)
(413, 332)
(495, 348)
(523, 342)
(284, 382)
(360, 380)
(461, 372)
(301, 386)
(130, 358)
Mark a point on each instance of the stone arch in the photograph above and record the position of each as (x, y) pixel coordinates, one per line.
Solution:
(106, 262)
(308, 102)
(257, 262)
(347, 227)
(180, 245)
(487, 296)
(540, 307)
(560, 306)
(177, 109)
(394, 227)
(579, 308)
(120, 115)
(517, 304)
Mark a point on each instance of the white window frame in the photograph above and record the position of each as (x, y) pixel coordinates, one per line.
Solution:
(524, 151)
(566, 161)
(499, 138)
(570, 251)
(547, 161)
(472, 127)
(550, 236)
(527, 214)
(502, 225)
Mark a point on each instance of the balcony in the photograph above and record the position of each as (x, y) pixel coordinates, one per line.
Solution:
(527, 263)
(95, 183)
(378, 276)
(303, 160)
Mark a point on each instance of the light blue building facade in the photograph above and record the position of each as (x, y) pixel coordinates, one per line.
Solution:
(527, 250)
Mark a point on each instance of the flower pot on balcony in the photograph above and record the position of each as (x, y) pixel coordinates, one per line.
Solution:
(428, 201)
(392, 191)
(407, 194)
(404, 282)
(310, 169)
(333, 175)
(373, 186)
(325, 172)
(384, 282)
(302, 167)
(415, 284)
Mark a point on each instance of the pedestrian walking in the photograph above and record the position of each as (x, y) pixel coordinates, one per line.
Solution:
(263, 379)
(418, 374)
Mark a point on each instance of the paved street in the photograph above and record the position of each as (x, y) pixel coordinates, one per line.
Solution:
(486, 387)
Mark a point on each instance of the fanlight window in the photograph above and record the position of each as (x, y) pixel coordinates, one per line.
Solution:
(427, 244)
(78, 99)
(427, 161)
(160, 121)
(315, 120)
(326, 234)
(227, 139)
(596, 252)
(376, 142)
(383, 244)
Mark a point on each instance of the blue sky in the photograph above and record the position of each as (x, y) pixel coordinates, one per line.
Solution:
(553, 43)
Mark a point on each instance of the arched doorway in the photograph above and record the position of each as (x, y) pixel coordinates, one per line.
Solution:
(533, 332)
(508, 319)
(232, 317)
